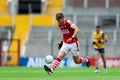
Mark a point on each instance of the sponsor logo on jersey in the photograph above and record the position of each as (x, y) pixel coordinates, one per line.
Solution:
(65, 31)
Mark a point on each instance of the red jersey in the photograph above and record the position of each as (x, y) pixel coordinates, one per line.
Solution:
(67, 31)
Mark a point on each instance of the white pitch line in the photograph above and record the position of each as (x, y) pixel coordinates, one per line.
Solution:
(1, 72)
(67, 78)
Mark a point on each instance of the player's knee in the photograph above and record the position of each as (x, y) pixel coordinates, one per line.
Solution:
(95, 57)
(61, 55)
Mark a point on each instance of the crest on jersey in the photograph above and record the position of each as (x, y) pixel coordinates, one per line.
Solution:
(70, 22)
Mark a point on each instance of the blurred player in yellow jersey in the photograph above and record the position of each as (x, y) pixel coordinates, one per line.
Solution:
(99, 39)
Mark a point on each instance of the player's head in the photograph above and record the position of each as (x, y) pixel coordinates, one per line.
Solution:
(98, 28)
(60, 18)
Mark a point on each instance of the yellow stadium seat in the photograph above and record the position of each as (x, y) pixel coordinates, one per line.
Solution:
(3, 7)
(42, 20)
(6, 20)
(21, 32)
(54, 6)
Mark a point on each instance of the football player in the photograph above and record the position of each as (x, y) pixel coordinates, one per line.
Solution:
(69, 43)
(99, 39)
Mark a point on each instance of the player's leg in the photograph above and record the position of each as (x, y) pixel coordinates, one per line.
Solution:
(56, 62)
(104, 61)
(78, 60)
(96, 57)
(75, 53)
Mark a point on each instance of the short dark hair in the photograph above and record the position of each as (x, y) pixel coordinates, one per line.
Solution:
(98, 26)
(59, 16)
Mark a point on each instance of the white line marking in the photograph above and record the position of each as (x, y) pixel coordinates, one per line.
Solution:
(40, 71)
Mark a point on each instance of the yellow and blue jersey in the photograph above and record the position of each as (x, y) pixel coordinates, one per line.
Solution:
(97, 37)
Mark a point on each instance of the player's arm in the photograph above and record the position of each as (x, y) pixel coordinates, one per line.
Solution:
(76, 31)
(105, 39)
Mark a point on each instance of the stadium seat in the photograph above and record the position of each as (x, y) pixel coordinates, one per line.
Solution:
(115, 3)
(6, 20)
(22, 28)
(3, 7)
(54, 6)
(43, 21)
(21, 32)
(93, 3)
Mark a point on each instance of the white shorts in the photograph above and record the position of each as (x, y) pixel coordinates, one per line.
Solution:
(72, 48)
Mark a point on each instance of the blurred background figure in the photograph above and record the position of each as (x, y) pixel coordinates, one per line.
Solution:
(99, 48)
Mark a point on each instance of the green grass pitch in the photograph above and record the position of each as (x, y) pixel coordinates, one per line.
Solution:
(76, 73)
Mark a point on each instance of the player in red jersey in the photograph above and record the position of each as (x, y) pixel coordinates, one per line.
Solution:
(70, 43)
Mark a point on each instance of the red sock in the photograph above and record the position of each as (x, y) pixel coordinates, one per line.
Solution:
(83, 60)
(55, 64)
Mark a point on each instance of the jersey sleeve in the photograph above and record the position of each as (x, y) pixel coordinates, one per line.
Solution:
(70, 23)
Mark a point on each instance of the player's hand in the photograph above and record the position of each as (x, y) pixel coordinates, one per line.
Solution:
(69, 40)
(100, 41)
(60, 45)
(93, 43)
